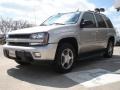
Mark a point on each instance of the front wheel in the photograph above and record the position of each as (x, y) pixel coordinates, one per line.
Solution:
(65, 56)
(109, 49)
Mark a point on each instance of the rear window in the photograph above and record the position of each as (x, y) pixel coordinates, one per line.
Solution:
(110, 25)
(100, 21)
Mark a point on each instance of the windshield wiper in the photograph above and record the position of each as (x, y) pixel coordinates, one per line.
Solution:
(58, 23)
(43, 24)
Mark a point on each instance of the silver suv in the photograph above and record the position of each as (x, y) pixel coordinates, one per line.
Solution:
(61, 39)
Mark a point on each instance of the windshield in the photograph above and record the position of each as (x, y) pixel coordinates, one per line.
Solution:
(62, 19)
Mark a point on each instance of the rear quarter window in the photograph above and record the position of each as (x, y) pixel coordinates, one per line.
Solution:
(109, 23)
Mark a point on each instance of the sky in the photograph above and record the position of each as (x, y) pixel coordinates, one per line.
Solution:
(36, 11)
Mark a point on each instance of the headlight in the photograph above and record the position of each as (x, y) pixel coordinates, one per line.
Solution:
(42, 37)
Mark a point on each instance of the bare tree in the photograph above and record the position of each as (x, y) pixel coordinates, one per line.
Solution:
(7, 25)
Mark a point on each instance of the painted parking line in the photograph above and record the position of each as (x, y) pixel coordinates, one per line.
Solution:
(96, 79)
(83, 76)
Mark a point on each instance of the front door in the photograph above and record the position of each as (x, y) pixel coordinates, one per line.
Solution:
(87, 33)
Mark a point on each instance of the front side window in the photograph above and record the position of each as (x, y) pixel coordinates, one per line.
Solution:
(88, 21)
(100, 21)
(62, 18)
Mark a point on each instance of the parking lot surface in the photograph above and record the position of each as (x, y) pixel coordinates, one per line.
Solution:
(39, 76)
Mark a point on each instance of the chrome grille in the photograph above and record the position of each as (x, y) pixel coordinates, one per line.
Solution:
(18, 44)
(20, 36)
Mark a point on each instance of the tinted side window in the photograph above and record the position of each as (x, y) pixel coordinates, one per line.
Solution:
(100, 21)
(89, 19)
(110, 25)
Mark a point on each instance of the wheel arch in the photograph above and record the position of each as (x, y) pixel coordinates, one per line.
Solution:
(71, 40)
(111, 38)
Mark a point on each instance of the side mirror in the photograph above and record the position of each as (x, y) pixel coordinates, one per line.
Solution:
(86, 24)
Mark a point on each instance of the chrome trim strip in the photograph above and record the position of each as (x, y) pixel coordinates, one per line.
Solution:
(23, 40)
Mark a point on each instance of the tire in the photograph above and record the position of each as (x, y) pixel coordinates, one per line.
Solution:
(65, 57)
(109, 49)
(22, 62)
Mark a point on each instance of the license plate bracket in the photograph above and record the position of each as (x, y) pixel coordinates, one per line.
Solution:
(21, 55)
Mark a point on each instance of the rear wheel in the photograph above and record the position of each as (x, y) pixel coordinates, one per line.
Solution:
(64, 58)
(109, 50)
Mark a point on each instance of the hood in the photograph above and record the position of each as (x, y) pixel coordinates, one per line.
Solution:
(36, 29)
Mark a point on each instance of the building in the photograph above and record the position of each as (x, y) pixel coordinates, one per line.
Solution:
(117, 5)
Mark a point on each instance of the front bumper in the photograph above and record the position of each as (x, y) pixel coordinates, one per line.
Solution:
(47, 52)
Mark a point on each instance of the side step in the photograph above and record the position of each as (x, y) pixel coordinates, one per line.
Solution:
(84, 56)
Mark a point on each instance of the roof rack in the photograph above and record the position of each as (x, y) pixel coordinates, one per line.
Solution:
(90, 11)
(98, 10)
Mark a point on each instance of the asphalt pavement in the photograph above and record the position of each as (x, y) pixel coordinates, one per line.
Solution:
(40, 75)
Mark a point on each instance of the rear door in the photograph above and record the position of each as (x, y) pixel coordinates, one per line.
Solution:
(101, 34)
(87, 32)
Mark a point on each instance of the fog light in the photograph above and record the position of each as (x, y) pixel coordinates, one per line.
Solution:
(37, 54)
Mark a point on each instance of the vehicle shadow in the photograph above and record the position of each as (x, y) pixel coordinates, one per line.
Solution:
(43, 74)
(40, 74)
(110, 64)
